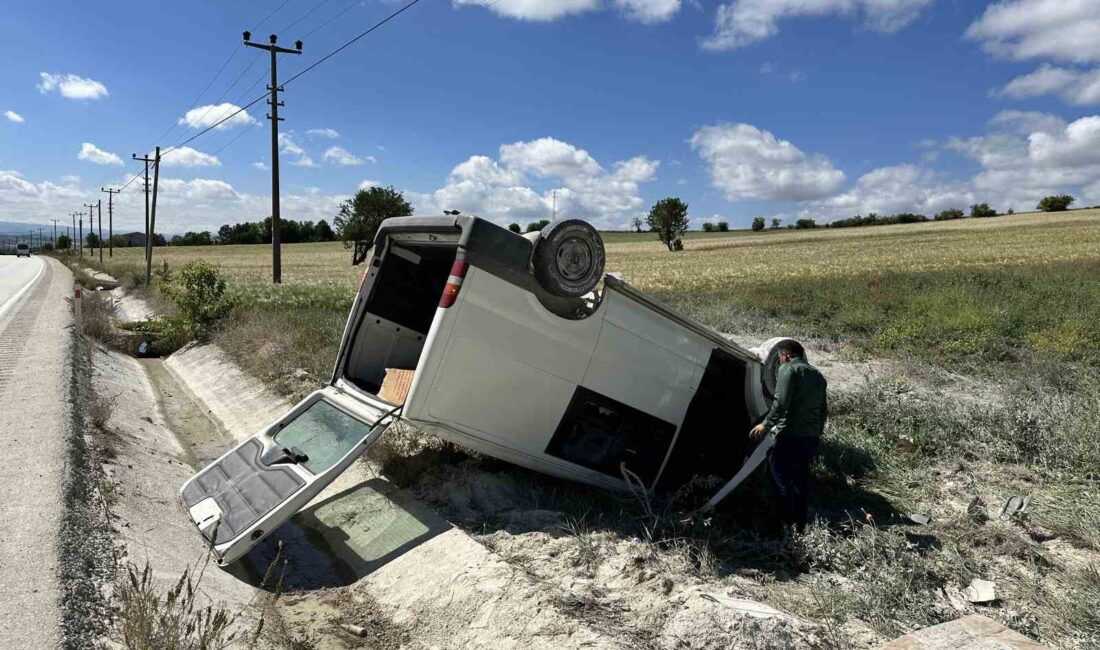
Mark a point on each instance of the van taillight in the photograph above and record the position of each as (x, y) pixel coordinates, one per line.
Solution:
(454, 284)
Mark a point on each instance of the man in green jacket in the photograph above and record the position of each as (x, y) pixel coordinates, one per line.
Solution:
(798, 416)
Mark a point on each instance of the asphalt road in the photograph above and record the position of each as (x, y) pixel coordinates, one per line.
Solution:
(35, 330)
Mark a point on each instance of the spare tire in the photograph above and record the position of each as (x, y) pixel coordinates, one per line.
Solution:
(769, 358)
(568, 259)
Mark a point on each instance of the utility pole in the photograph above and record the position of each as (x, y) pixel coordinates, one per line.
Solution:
(99, 213)
(73, 215)
(152, 221)
(90, 206)
(146, 160)
(276, 254)
(55, 233)
(110, 219)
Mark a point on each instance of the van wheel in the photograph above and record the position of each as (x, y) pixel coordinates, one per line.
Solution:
(569, 258)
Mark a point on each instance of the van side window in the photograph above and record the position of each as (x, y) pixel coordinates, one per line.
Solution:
(599, 433)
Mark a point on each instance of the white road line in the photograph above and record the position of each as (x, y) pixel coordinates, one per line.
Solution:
(14, 300)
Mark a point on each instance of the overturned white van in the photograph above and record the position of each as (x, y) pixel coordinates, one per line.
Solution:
(505, 345)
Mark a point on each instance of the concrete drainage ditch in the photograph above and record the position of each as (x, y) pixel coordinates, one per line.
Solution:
(365, 563)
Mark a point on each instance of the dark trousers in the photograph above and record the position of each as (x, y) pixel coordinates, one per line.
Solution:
(790, 466)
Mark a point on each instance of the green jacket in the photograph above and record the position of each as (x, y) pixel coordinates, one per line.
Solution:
(800, 405)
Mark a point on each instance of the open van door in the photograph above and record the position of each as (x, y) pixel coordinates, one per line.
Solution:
(246, 494)
(756, 455)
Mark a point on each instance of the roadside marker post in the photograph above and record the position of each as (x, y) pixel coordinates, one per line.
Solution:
(77, 312)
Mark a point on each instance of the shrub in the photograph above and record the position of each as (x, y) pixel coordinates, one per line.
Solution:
(949, 214)
(757, 224)
(198, 291)
(979, 210)
(1058, 203)
(724, 226)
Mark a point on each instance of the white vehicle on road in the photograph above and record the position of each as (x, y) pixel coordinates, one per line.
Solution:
(506, 345)
(22, 250)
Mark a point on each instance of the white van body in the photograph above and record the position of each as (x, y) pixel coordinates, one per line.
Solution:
(22, 249)
(617, 392)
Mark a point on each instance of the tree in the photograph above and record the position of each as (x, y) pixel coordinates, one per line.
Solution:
(757, 224)
(324, 231)
(804, 224)
(723, 226)
(636, 223)
(709, 227)
(91, 239)
(982, 210)
(775, 223)
(63, 242)
(159, 240)
(537, 226)
(514, 227)
(669, 219)
(1058, 203)
(361, 215)
(949, 214)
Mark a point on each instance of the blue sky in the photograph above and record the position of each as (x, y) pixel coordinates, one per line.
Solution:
(788, 108)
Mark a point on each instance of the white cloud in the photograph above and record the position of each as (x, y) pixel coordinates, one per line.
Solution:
(894, 189)
(645, 11)
(649, 11)
(1020, 167)
(1027, 122)
(288, 146)
(14, 117)
(535, 10)
(188, 157)
(94, 154)
(331, 134)
(746, 162)
(367, 184)
(341, 156)
(1078, 87)
(572, 180)
(71, 86)
(259, 164)
(1040, 29)
(743, 22)
(202, 117)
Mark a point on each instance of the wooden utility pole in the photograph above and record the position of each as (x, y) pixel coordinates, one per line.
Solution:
(276, 254)
(55, 233)
(152, 221)
(73, 215)
(99, 215)
(110, 219)
(90, 206)
(146, 160)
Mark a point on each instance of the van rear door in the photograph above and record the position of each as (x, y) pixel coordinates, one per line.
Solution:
(246, 494)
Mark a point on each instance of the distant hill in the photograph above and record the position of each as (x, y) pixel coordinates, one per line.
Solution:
(17, 228)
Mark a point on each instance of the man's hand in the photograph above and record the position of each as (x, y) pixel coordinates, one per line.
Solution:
(756, 432)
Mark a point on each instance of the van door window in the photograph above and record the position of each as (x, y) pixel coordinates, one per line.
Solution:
(600, 433)
(323, 434)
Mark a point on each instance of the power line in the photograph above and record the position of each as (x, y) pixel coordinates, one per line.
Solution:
(354, 4)
(273, 12)
(333, 53)
(175, 123)
(306, 15)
